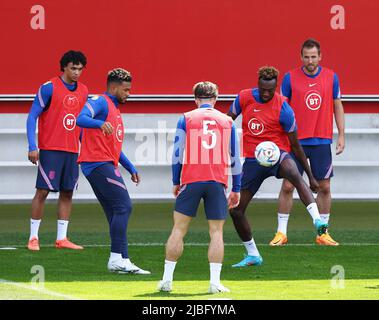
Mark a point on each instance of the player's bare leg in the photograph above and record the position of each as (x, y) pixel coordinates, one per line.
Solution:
(174, 246)
(324, 201)
(64, 213)
(284, 209)
(241, 223)
(174, 249)
(286, 197)
(38, 205)
(243, 229)
(216, 244)
(324, 198)
(288, 170)
(64, 205)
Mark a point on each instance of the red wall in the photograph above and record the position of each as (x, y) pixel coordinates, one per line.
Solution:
(169, 45)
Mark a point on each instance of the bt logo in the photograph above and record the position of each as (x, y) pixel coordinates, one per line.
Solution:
(69, 122)
(119, 133)
(255, 126)
(313, 100)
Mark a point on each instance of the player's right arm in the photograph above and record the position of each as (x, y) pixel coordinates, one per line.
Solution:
(288, 122)
(235, 108)
(94, 114)
(40, 103)
(177, 154)
(285, 88)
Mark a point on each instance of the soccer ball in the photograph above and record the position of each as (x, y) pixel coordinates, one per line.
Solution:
(267, 153)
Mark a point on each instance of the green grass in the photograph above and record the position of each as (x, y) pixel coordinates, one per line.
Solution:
(300, 270)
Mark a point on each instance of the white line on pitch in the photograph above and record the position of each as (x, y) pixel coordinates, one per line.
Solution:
(199, 244)
(36, 288)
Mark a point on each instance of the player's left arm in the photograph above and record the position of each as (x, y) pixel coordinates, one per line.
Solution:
(339, 115)
(128, 165)
(178, 154)
(236, 168)
(235, 108)
(288, 123)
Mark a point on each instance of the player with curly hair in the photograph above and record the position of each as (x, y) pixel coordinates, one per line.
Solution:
(56, 106)
(266, 116)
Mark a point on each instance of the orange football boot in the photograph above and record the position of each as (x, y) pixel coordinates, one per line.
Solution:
(326, 240)
(33, 244)
(279, 239)
(67, 244)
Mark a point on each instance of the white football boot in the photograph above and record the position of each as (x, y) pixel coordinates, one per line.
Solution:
(123, 266)
(165, 286)
(213, 288)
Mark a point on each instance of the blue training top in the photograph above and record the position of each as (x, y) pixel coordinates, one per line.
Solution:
(95, 118)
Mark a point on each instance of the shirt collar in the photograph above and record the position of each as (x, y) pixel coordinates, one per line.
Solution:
(205, 105)
(312, 75)
(113, 98)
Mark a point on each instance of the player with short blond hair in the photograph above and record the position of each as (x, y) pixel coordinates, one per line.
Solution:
(207, 138)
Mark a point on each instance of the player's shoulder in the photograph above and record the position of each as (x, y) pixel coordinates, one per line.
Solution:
(327, 71)
(47, 83)
(245, 92)
(84, 87)
(223, 115)
(293, 72)
(97, 100)
(46, 89)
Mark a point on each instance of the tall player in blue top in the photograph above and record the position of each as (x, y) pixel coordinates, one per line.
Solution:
(56, 107)
(314, 93)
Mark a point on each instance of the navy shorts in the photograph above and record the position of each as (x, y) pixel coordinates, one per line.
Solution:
(213, 194)
(320, 160)
(253, 174)
(109, 187)
(57, 171)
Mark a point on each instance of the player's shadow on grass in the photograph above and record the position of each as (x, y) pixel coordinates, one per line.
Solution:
(171, 295)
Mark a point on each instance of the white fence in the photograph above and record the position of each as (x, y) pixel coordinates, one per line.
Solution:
(148, 144)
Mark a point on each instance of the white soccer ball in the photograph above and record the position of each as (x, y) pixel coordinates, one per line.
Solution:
(267, 153)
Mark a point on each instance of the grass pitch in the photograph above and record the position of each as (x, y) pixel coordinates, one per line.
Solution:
(300, 270)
